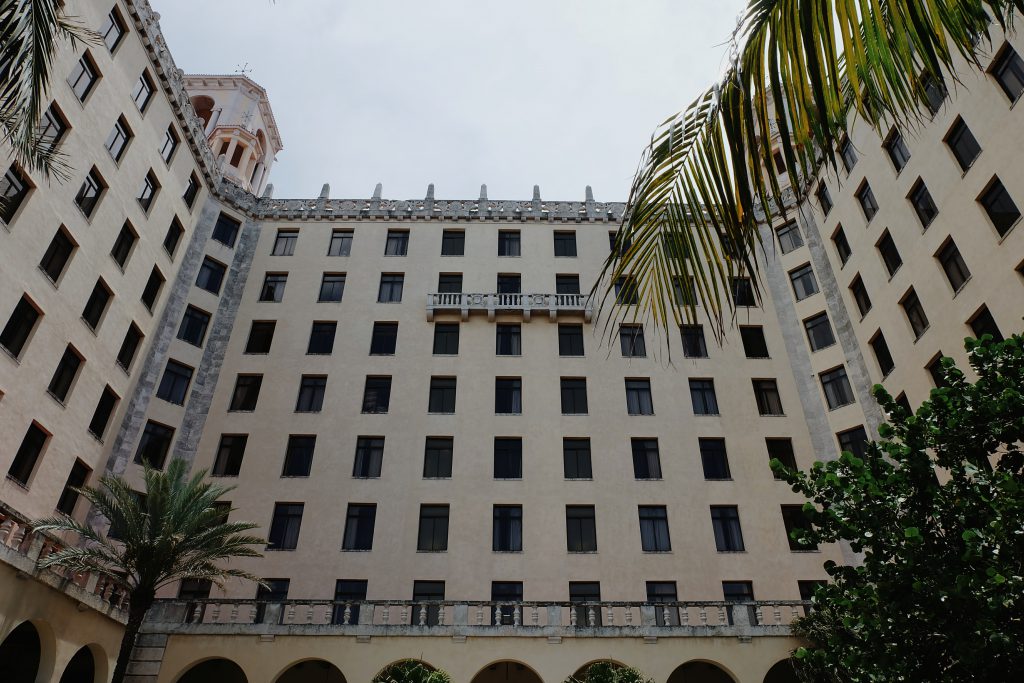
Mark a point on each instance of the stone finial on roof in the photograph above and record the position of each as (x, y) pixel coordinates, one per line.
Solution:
(483, 192)
(268, 192)
(590, 194)
(325, 191)
(377, 190)
(536, 193)
(430, 191)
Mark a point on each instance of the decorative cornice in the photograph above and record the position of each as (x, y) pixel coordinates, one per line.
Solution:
(264, 101)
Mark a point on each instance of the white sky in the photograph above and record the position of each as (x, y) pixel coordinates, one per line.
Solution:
(562, 93)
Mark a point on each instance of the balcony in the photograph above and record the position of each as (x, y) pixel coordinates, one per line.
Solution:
(493, 303)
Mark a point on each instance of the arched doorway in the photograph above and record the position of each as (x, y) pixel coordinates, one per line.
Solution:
(700, 672)
(506, 672)
(312, 671)
(20, 653)
(214, 671)
(581, 673)
(81, 668)
(782, 672)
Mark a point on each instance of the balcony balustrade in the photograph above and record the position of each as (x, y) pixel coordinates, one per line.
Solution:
(465, 303)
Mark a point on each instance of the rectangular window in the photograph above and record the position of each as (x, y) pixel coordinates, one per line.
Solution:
(359, 523)
(654, 536)
(866, 199)
(702, 396)
(273, 287)
(332, 287)
(226, 230)
(663, 593)
(391, 285)
(565, 243)
(154, 444)
(638, 397)
(321, 338)
(437, 457)
(83, 77)
(626, 292)
(962, 144)
(433, 531)
(377, 394)
(230, 453)
(211, 275)
(442, 395)
(781, 449)
(19, 327)
(191, 192)
(509, 283)
(576, 459)
(983, 323)
(854, 441)
(882, 355)
(383, 339)
(104, 409)
(684, 291)
(793, 518)
(261, 336)
(824, 198)
(738, 591)
(803, 281)
(506, 592)
(151, 291)
(567, 284)
(298, 455)
(284, 528)
(311, 394)
(508, 529)
(369, 457)
(742, 289)
(130, 344)
(580, 529)
(341, 243)
(508, 396)
(584, 595)
(193, 326)
(574, 395)
(453, 243)
(570, 340)
(934, 93)
(921, 199)
(999, 207)
(837, 388)
(842, 245)
(89, 194)
(714, 459)
(174, 384)
(246, 393)
(446, 339)
(694, 344)
(646, 458)
(819, 331)
(397, 243)
(14, 188)
(28, 454)
(284, 243)
(170, 144)
(848, 154)
(897, 150)
(1008, 70)
(619, 242)
(766, 392)
(449, 283)
(57, 254)
(937, 372)
(508, 339)
(52, 128)
(915, 313)
(754, 344)
(276, 590)
(122, 248)
(953, 265)
(117, 141)
(143, 92)
(631, 341)
(508, 243)
(860, 296)
(725, 520)
(890, 255)
(348, 594)
(76, 479)
(508, 457)
(789, 237)
(113, 30)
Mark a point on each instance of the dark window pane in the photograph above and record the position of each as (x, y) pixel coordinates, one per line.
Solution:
(803, 281)
(897, 150)
(854, 440)
(631, 341)
(57, 255)
(654, 536)
(449, 283)
(174, 383)
(433, 531)
(766, 391)
(567, 284)
(646, 458)
(64, 375)
(921, 199)
(311, 394)
(154, 444)
(508, 243)
(793, 519)
(915, 313)
(574, 395)
(211, 275)
(24, 463)
(866, 198)
(1000, 207)
(570, 340)
(369, 457)
(377, 395)
(576, 458)
(508, 396)
(341, 243)
(702, 396)
(152, 289)
(298, 456)
(565, 243)
(1009, 73)
(754, 344)
(837, 388)
(725, 520)
(437, 457)
(580, 529)
(397, 243)
(782, 450)
(76, 479)
(953, 265)
(193, 326)
(446, 339)
(284, 528)
(508, 529)
(638, 397)
(384, 339)
(391, 285)
(742, 290)
(96, 304)
(442, 395)
(359, 523)
(694, 344)
(714, 459)
(104, 409)
(842, 246)
(261, 335)
(273, 287)
(508, 458)
(453, 243)
(962, 143)
(19, 327)
(819, 331)
(789, 237)
(321, 338)
(230, 453)
(284, 243)
(983, 323)
(132, 340)
(246, 393)
(332, 287)
(508, 340)
(882, 355)
(226, 230)
(860, 296)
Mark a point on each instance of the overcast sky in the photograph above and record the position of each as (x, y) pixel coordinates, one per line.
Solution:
(558, 93)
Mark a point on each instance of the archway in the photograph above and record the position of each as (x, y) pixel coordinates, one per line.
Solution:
(81, 668)
(782, 672)
(582, 671)
(397, 670)
(700, 672)
(20, 653)
(312, 671)
(203, 105)
(506, 671)
(214, 671)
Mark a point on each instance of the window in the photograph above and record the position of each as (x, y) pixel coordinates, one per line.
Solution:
(580, 529)
(143, 92)
(261, 335)
(866, 199)
(1008, 70)
(122, 248)
(962, 144)
(246, 393)
(298, 455)
(921, 199)
(508, 529)
(819, 331)
(631, 341)
(953, 265)
(567, 284)
(152, 289)
(754, 344)
(794, 519)
(789, 237)
(837, 388)
(702, 396)
(132, 340)
(211, 275)
(446, 339)
(311, 394)
(882, 355)
(83, 77)
(14, 188)
(321, 338)
(437, 457)
(359, 524)
(433, 531)
(369, 457)
(377, 394)
(449, 283)
(999, 207)
(937, 372)
(565, 243)
(508, 243)
(854, 441)
(890, 255)
(738, 591)
(276, 590)
(89, 194)
(191, 191)
(619, 242)
(508, 458)
(225, 230)
(742, 290)
(383, 339)
(174, 384)
(397, 243)
(583, 594)
(842, 245)
(654, 537)
(664, 593)
(626, 292)
(574, 396)
(860, 296)
(29, 452)
(348, 594)
(96, 304)
(638, 397)
(193, 326)
(154, 444)
(191, 590)
(230, 453)
(341, 243)
(803, 281)
(118, 139)
(76, 479)
(781, 450)
(766, 392)
(104, 409)
(903, 402)
(169, 145)
(509, 283)
(915, 313)
(694, 345)
(58, 254)
(983, 323)
(570, 340)
(824, 198)
(576, 459)
(934, 93)
(332, 287)
(646, 458)
(453, 243)
(442, 395)
(113, 29)
(725, 520)
(51, 129)
(19, 327)
(284, 528)
(273, 287)
(390, 291)
(284, 243)
(505, 592)
(714, 459)
(848, 154)
(897, 150)
(508, 339)
(508, 396)
(684, 291)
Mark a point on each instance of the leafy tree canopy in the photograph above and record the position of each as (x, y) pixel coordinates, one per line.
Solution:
(610, 672)
(412, 671)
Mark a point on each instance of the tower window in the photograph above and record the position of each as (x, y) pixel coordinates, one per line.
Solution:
(211, 275)
(789, 237)
(890, 255)
(842, 245)
(58, 254)
(866, 199)
(446, 339)
(565, 243)
(433, 531)
(576, 458)
(273, 287)
(246, 393)
(508, 458)
(803, 281)
(193, 326)
(570, 340)
(694, 344)
(437, 457)
(915, 313)
(766, 392)
(453, 243)
(442, 395)
(14, 188)
(397, 243)
(953, 265)
(284, 243)
(508, 529)
(384, 339)
(897, 150)
(1008, 70)
(754, 344)
(580, 529)
(631, 341)
(508, 396)
(90, 193)
(509, 243)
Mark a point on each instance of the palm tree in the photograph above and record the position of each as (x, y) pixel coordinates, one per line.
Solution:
(805, 66)
(175, 530)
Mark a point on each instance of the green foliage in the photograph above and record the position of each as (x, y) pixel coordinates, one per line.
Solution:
(610, 672)
(412, 671)
(936, 510)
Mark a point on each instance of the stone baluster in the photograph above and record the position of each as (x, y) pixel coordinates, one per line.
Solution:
(629, 615)
(479, 615)
(703, 616)
(440, 615)
(665, 616)
(18, 536)
(497, 614)
(684, 617)
(777, 614)
(309, 615)
(197, 613)
(572, 616)
(346, 616)
(386, 614)
(423, 614)
(759, 615)
(611, 616)
(591, 616)
(404, 614)
(233, 615)
(535, 615)
(215, 612)
(796, 613)
(721, 615)
(516, 616)
(7, 530)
